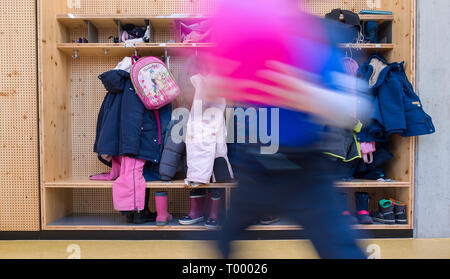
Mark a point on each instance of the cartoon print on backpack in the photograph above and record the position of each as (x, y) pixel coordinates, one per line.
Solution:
(159, 84)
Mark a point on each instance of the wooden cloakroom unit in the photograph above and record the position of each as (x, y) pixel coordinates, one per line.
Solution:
(70, 97)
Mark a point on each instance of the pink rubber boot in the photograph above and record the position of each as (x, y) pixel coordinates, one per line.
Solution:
(207, 203)
(163, 217)
(113, 174)
(213, 218)
(196, 213)
(129, 188)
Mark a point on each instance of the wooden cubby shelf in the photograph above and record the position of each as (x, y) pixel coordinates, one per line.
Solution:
(70, 96)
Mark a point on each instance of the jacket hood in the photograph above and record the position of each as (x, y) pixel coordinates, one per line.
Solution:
(114, 80)
(377, 67)
(375, 70)
(125, 64)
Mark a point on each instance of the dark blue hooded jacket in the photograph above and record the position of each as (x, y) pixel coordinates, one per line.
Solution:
(397, 110)
(124, 126)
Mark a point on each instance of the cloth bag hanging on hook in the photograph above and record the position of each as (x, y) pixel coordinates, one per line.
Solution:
(153, 82)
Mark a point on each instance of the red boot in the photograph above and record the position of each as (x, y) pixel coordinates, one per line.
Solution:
(163, 218)
(196, 213)
(213, 218)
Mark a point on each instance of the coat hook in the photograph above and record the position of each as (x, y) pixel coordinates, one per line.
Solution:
(135, 52)
(167, 58)
(106, 51)
(75, 56)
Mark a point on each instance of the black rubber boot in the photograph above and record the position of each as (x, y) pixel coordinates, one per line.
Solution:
(362, 208)
(129, 215)
(343, 202)
(145, 216)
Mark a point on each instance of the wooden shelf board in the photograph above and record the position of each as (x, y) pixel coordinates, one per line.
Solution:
(366, 17)
(372, 184)
(368, 46)
(275, 227)
(73, 21)
(118, 222)
(84, 182)
(98, 49)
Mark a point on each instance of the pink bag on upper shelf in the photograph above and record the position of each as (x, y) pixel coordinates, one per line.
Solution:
(195, 32)
(153, 82)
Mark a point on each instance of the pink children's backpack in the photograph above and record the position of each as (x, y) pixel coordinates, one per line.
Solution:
(153, 82)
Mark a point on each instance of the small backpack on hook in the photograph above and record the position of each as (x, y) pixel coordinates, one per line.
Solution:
(153, 82)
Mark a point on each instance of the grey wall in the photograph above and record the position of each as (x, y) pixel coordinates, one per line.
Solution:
(432, 199)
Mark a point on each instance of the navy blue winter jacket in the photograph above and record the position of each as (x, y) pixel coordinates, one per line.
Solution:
(124, 126)
(107, 133)
(397, 110)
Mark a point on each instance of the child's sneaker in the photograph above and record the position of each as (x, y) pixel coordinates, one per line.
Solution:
(385, 213)
(400, 212)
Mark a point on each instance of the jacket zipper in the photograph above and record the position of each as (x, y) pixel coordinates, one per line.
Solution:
(134, 186)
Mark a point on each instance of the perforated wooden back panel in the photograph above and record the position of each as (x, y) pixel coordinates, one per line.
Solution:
(100, 201)
(205, 7)
(19, 180)
(322, 7)
(139, 7)
(87, 94)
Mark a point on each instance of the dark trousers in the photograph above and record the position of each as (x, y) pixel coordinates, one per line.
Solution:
(297, 186)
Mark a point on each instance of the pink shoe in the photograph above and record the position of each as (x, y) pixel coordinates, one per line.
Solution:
(163, 217)
(196, 213)
(113, 174)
